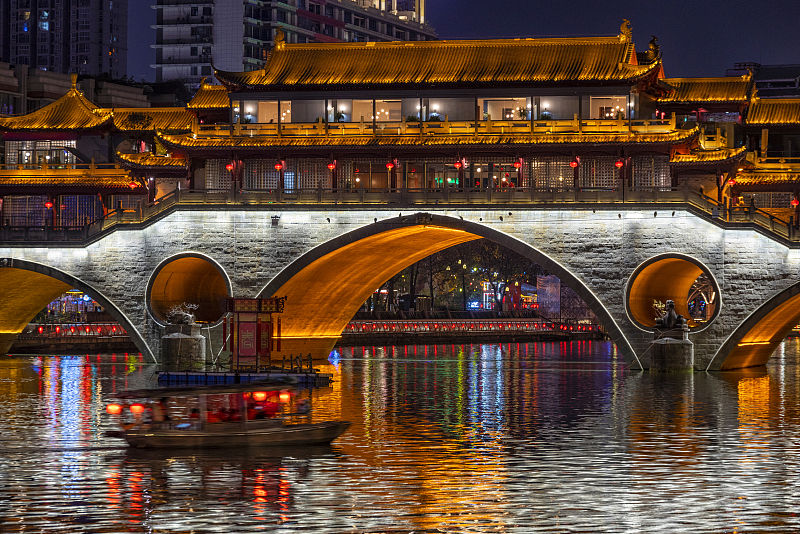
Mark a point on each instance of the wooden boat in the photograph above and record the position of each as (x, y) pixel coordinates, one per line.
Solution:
(256, 415)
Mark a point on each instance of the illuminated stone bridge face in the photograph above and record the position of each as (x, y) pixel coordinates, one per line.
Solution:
(329, 261)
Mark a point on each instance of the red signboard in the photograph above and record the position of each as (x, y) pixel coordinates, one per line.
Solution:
(247, 339)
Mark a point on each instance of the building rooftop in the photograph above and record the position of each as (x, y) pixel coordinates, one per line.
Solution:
(774, 111)
(209, 97)
(447, 64)
(706, 90)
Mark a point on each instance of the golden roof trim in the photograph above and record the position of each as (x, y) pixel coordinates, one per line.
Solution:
(151, 119)
(147, 160)
(707, 90)
(188, 141)
(72, 112)
(774, 111)
(767, 178)
(709, 156)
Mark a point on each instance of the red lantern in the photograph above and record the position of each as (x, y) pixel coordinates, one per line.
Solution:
(731, 182)
(58, 329)
(114, 409)
(137, 408)
(458, 164)
(517, 165)
(794, 202)
(229, 166)
(331, 166)
(619, 164)
(40, 329)
(72, 329)
(87, 329)
(573, 163)
(133, 184)
(390, 165)
(259, 395)
(48, 204)
(278, 166)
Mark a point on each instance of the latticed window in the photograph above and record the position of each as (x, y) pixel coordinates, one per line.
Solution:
(260, 174)
(311, 172)
(651, 171)
(78, 210)
(598, 172)
(769, 200)
(552, 172)
(25, 210)
(217, 176)
(127, 202)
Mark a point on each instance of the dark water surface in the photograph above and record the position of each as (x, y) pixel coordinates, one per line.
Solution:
(524, 438)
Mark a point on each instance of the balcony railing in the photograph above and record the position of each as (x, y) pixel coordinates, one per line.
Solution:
(450, 197)
(60, 169)
(434, 128)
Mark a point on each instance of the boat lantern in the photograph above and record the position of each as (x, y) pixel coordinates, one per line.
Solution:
(284, 397)
(137, 408)
(259, 396)
(114, 409)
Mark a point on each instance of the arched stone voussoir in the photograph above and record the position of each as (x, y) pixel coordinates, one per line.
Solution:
(759, 335)
(62, 282)
(327, 284)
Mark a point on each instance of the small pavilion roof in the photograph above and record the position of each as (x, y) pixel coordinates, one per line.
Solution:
(209, 97)
(774, 111)
(446, 64)
(706, 90)
(148, 161)
(149, 119)
(71, 112)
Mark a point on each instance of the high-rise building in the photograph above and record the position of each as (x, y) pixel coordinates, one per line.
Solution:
(237, 35)
(83, 36)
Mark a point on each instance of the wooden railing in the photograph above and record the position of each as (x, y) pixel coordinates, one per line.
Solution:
(432, 128)
(451, 197)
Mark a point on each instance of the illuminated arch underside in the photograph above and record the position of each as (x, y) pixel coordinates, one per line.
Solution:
(662, 280)
(25, 293)
(192, 280)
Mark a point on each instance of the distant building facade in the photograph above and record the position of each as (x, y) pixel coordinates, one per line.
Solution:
(84, 36)
(237, 36)
(771, 81)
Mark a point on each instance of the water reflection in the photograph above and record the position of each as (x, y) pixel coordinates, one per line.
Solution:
(458, 437)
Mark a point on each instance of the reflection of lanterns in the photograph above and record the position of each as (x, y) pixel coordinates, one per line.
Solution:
(731, 182)
(114, 409)
(278, 166)
(331, 166)
(517, 165)
(284, 397)
(619, 164)
(229, 167)
(259, 396)
(573, 163)
(458, 164)
(137, 408)
(390, 165)
(795, 202)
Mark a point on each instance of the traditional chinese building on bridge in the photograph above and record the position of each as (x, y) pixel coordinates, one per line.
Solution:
(587, 114)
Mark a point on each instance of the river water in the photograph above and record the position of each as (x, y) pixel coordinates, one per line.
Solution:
(555, 437)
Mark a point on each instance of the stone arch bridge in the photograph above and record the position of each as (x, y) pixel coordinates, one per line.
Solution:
(328, 260)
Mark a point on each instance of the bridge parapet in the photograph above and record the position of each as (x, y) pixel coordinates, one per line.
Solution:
(637, 198)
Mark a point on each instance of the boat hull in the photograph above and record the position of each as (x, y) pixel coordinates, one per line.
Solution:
(305, 434)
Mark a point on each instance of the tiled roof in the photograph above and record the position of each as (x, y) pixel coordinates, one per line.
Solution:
(707, 90)
(774, 111)
(710, 156)
(73, 112)
(150, 119)
(441, 64)
(117, 181)
(210, 97)
(147, 160)
(415, 141)
(766, 178)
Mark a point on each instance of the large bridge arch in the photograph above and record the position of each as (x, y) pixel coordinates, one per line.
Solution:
(346, 269)
(756, 338)
(29, 286)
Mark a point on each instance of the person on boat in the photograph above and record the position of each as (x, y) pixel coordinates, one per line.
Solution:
(160, 411)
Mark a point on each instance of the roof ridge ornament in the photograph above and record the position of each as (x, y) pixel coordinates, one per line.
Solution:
(280, 39)
(74, 79)
(626, 35)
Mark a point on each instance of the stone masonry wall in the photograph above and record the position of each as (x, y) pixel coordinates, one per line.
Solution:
(601, 249)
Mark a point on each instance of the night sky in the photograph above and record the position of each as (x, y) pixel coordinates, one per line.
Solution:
(697, 37)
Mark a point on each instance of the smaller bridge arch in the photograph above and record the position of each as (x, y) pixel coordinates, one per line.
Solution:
(757, 337)
(327, 285)
(30, 286)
